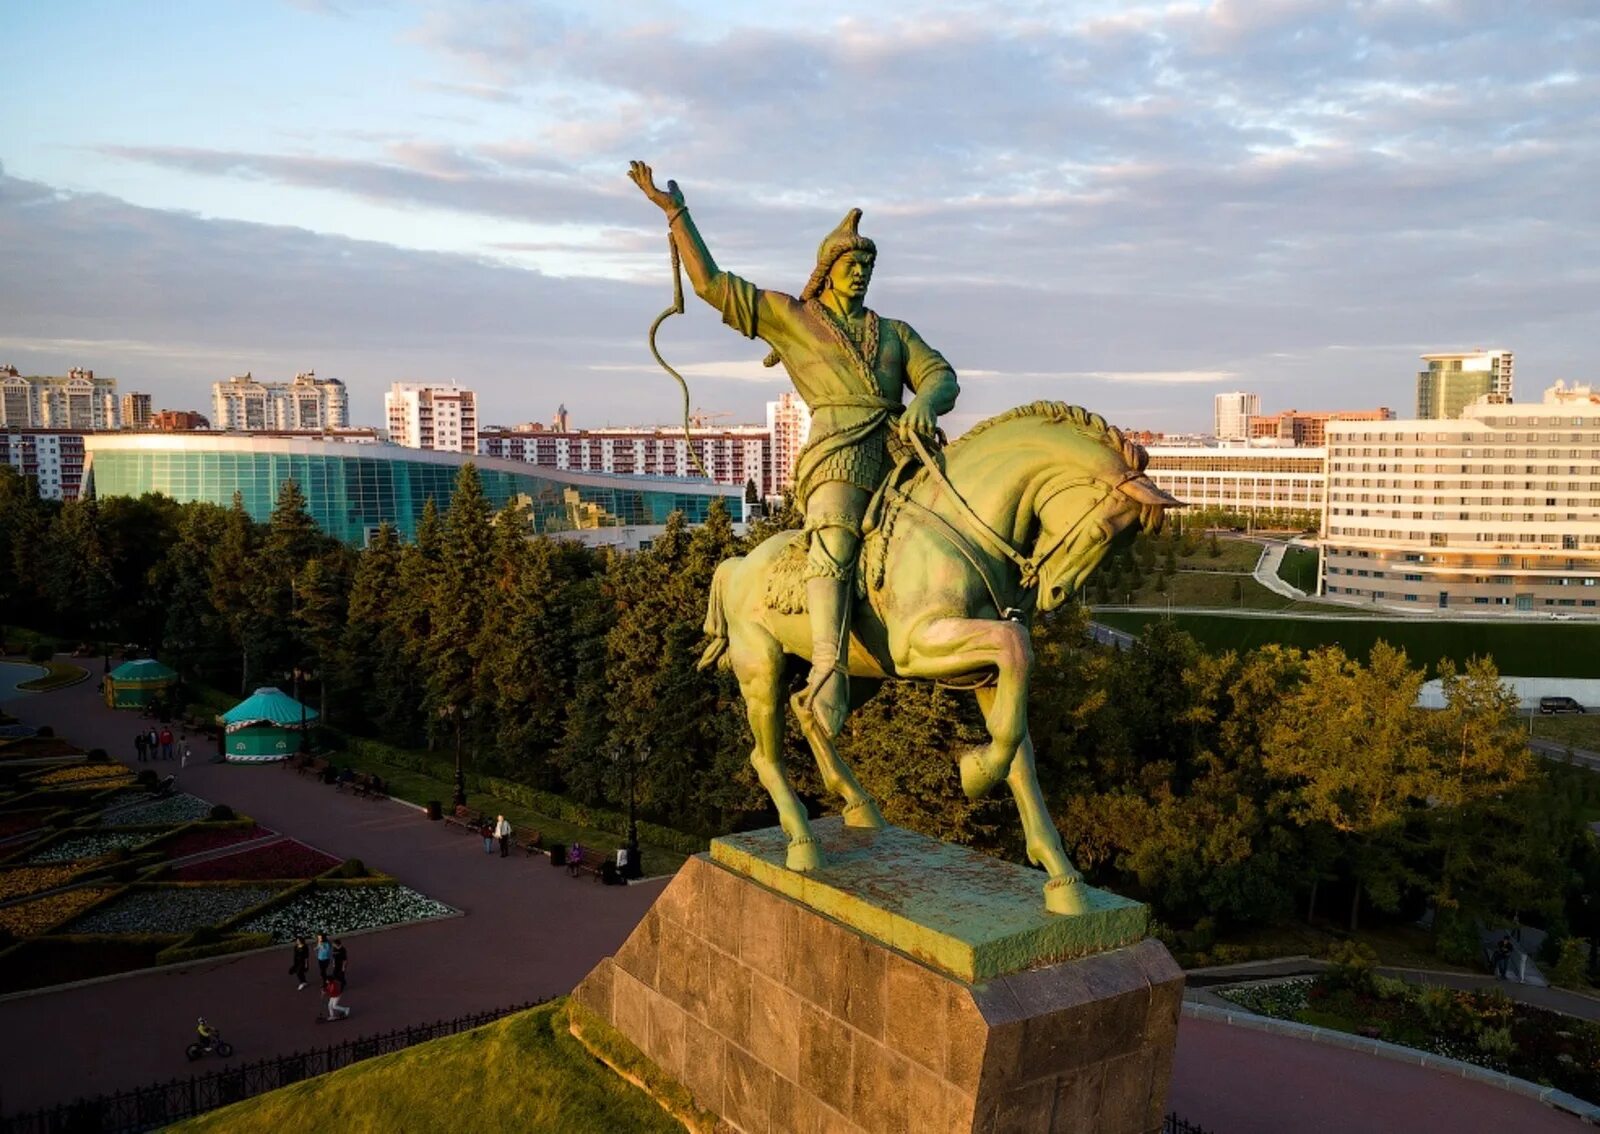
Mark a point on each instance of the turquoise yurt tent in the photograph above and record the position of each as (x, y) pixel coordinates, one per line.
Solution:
(134, 684)
(265, 726)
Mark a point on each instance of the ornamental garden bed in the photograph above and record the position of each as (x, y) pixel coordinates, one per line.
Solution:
(1484, 1027)
(283, 859)
(344, 907)
(201, 837)
(39, 916)
(38, 748)
(20, 881)
(76, 845)
(102, 775)
(179, 808)
(60, 960)
(13, 823)
(172, 909)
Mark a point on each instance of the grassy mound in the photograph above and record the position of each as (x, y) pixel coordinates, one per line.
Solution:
(523, 1073)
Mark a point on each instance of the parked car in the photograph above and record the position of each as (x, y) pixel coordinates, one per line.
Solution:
(1549, 705)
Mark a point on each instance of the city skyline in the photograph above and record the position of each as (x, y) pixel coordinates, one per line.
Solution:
(1128, 207)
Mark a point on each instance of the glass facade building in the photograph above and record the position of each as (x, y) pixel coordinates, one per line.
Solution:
(351, 489)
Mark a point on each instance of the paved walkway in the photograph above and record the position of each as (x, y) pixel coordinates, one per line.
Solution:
(1266, 572)
(530, 931)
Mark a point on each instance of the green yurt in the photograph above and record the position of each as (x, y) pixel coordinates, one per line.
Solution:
(134, 684)
(265, 726)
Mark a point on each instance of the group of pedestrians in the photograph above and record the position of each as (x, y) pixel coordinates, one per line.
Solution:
(497, 833)
(153, 745)
(331, 959)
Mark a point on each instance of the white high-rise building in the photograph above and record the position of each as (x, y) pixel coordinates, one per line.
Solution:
(421, 415)
(78, 401)
(789, 423)
(1232, 413)
(306, 403)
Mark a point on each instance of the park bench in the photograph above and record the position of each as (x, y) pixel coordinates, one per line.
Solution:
(367, 788)
(465, 818)
(531, 845)
(591, 862)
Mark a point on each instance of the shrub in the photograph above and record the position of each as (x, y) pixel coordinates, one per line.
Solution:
(1572, 968)
(351, 868)
(1496, 1042)
(98, 756)
(1352, 966)
(40, 652)
(1389, 988)
(146, 778)
(221, 812)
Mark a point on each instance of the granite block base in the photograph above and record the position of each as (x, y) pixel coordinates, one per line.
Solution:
(778, 1019)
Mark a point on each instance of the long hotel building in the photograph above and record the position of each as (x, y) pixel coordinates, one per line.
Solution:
(735, 456)
(1245, 480)
(1496, 509)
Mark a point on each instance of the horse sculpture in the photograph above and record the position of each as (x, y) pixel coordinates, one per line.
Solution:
(956, 561)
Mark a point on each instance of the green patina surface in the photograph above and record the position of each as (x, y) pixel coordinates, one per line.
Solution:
(970, 915)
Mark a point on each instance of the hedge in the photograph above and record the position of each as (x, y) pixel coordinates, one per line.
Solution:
(185, 951)
(544, 802)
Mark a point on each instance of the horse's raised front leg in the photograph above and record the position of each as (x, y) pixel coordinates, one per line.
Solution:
(859, 808)
(961, 647)
(760, 671)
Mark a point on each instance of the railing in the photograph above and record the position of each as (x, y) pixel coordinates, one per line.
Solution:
(1175, 1125)
(160, 1104)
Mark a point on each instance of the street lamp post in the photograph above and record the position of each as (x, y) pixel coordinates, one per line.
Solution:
(454, 713)
(629, 766)
(299, 674)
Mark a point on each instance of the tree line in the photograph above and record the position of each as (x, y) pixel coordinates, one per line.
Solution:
(1247, 788)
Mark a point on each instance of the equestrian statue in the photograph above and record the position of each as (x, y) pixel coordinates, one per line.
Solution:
(917, 560)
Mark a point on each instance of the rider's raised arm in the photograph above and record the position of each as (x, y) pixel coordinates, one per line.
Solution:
(927, 372)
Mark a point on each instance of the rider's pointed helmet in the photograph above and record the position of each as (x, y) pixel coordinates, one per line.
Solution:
(842, 239)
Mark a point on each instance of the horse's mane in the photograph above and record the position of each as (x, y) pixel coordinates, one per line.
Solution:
(1133, 454)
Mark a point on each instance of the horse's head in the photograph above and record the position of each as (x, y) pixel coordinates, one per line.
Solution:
(1096, 500)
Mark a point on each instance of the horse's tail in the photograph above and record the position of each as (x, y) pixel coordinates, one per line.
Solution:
(716, 627)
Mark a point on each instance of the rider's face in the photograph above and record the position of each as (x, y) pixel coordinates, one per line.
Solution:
(850, 274)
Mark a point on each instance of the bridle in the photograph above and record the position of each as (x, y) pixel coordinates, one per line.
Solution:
(1029, 567)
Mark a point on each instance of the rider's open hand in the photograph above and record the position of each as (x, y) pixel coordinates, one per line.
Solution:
(641, 175)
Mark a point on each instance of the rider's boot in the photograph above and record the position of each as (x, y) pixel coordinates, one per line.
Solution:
(827, 692)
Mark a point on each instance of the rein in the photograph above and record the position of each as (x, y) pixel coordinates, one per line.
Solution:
(1029, 566)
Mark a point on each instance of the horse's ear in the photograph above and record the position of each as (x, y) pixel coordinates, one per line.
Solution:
(1147, 492)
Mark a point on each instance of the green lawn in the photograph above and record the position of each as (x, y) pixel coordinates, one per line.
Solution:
(1299, 568)
(61, 674)
(1577, 731)
(1237, 555)
(523, 1073)
(1521, 649)
(420, 787)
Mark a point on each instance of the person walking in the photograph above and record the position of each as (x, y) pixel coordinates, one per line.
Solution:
(334, 990)
(298, 963)
(574, 859)
(139, 742)
(338, 958)
(502, 832)
(152, 741)
(166, 744)
(324, 955)
(1502, 956)
(486, 833)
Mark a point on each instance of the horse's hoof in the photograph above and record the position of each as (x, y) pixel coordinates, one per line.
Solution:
(864, 814)
(978, 775)
(804, 855)
(1066, 896)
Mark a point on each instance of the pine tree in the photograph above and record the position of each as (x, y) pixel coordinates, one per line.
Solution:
(232, 579)
(366, 654)
(405, 635)
(458, 599)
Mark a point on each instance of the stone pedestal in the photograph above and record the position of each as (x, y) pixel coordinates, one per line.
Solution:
(907, 986)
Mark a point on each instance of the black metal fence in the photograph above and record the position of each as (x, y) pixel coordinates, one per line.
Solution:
(1175, 1125)
(155, 1106)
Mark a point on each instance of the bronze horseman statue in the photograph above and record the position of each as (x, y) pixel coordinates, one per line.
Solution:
(914, 562)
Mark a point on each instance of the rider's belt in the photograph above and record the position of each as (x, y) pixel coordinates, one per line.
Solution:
(858, 401)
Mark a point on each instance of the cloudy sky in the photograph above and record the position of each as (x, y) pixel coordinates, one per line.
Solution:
(1128, 206)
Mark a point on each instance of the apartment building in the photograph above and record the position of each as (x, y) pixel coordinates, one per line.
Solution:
(789, 426)
(1249, 480)
(246, 404)
(1308, 428)
(1231, 414)
(77, 401)
(52, 458)
(1495, 510)
(734, 456)
(135, 411)
(425, 416)
(1452, 382)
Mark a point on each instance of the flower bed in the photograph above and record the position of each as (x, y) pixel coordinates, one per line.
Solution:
(1483, 1027)
(285, 858)
(114, 775)
(52, 960)
(171, 909)
(16, 822)
(344, 909)
(38, 748)
(29, 918)
(174, 809)
(20, 881)
(89, 846)
(198, 840)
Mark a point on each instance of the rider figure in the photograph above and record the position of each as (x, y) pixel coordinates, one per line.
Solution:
(851, 367)
(207, 1033)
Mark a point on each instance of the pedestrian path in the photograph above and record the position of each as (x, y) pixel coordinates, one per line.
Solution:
(1266, 572)
(530, 931)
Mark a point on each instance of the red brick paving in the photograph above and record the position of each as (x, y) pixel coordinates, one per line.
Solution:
(531, 931)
